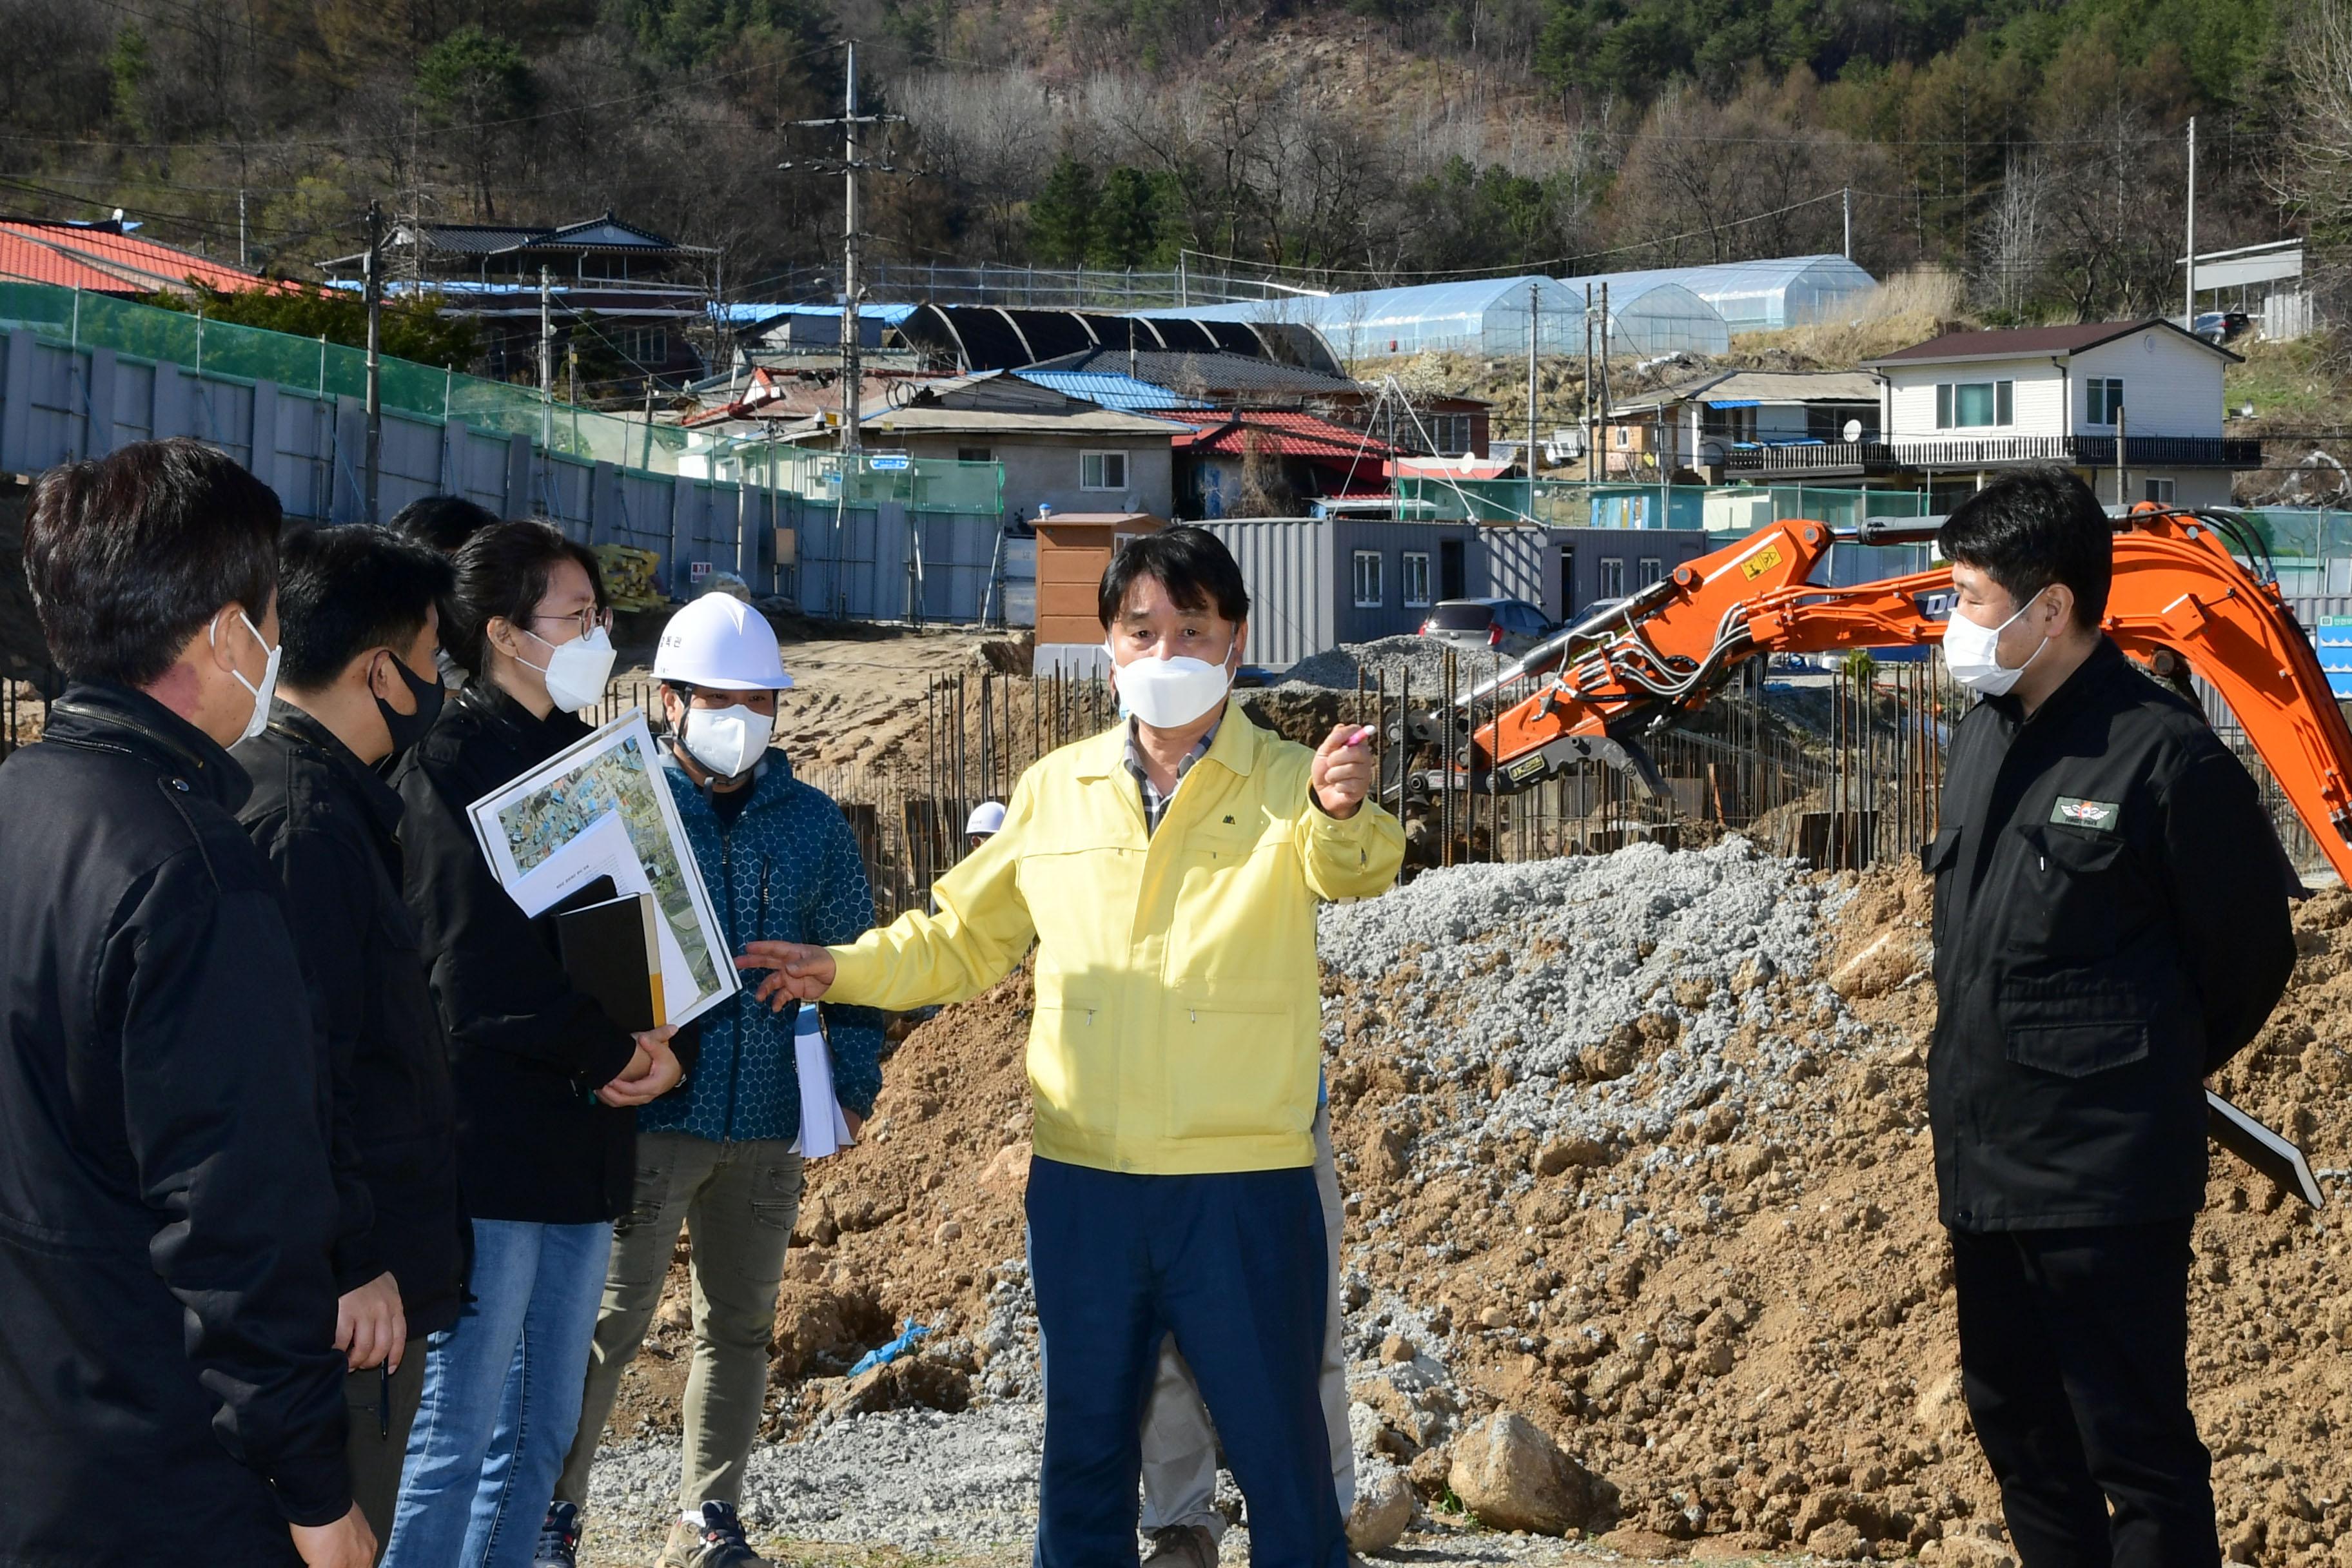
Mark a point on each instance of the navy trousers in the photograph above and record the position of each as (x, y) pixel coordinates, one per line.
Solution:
(1234, 1266)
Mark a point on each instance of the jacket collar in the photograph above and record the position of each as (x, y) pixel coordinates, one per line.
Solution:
(1236, 747)
(294, 725)
(98, 713)
(2105, 661)
(770, 781)
(495, 703)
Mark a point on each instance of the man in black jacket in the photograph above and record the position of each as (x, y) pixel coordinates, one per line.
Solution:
(168, 1388)
(2110, 926)
(358, 687)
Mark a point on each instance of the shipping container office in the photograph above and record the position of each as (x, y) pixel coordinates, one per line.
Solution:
(1316, 582)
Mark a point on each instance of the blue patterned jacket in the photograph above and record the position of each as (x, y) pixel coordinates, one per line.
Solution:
(788, 871)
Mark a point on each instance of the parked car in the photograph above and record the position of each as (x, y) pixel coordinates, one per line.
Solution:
(1500, 625)
(2217, 327)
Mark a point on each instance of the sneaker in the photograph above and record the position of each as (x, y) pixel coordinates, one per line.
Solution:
(717, 1542)
(1182, 1546)
(559, 1538)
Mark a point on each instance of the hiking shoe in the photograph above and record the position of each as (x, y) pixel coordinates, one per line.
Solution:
(559, 1538)
(716, 1542)
(1182, 1546)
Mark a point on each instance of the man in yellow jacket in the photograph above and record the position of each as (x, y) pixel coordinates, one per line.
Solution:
(1168, 871)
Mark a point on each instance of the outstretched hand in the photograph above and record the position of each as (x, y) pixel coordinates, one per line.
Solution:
(1343, 770)
(799, 973)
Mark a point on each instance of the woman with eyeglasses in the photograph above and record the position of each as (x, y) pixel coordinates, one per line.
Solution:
(547, 1086)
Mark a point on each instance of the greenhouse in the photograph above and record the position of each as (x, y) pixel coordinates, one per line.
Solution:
(1484, 316)
(1760, 296)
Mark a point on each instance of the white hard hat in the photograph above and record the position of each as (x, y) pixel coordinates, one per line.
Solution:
(720, 642)
(988, 816)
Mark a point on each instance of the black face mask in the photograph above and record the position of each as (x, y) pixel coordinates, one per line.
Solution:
(407, 729)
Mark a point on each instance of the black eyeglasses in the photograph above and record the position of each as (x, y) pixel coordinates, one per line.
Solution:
(589, 620)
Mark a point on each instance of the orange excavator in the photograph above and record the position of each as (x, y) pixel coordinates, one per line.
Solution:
(2183, 601)
(2193, 592)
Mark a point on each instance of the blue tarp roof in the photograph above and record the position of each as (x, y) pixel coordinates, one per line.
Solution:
(1109, 389)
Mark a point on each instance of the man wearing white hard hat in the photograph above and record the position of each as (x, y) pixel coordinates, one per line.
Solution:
(721, 1152)
(986, 821)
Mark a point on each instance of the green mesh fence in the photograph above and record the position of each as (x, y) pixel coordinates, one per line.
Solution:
(81, 320)
(919, 484)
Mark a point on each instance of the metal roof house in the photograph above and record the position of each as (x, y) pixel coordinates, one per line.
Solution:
(1966, 404)
(643, 290)
(1748, 425)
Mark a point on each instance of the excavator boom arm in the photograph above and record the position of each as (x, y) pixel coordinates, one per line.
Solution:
(2177, 591)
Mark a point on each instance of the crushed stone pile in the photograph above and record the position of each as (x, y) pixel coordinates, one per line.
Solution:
(1420, 659)
(1633, 1147)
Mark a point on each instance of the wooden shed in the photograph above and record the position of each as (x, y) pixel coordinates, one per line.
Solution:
(1074, 550)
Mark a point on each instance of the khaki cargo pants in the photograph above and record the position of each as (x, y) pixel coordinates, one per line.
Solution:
(739, 1201)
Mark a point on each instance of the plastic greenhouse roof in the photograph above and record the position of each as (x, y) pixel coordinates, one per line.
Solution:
(1725, 284)
(1371, 310)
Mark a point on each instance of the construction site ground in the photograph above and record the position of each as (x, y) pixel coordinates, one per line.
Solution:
(1635, 1148)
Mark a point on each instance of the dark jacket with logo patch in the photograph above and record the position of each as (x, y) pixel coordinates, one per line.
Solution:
(2111, 925)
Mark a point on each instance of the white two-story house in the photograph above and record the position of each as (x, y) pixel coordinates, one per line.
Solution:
(1964, 406)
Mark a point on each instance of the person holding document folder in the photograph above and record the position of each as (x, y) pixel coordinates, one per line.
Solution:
(547, 1083)
(1168, 871)
(2110, 926)
(723, 1155)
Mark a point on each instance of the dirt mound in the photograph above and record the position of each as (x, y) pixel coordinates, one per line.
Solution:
(1684, 1221)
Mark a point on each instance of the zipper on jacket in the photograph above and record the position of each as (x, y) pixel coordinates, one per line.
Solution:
(735, 1056)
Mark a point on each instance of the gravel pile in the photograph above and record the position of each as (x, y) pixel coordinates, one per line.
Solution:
(1553, 981)
(916, 1480)
(1422, 659)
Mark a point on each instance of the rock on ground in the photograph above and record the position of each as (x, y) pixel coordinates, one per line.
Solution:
(1509, 1474)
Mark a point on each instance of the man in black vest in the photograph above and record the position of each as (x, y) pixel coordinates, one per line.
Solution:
(169, 1388)
(2110, 926)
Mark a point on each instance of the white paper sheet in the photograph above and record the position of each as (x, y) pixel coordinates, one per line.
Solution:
(533, 830)
(823, 1130)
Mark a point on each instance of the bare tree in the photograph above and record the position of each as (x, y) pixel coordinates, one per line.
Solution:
(2015, 238)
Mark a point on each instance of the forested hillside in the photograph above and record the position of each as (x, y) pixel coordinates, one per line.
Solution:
(2036, 148)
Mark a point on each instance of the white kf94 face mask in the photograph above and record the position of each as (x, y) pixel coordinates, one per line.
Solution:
(576, 670)
(259, 719)
(728, 741)
(1972, 652)
(1170, 694)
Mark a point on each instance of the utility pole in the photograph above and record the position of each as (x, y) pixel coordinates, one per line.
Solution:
(1846, 203)
(374, 276)
(2188, 320)
(2123, 473)
(546, 361)
(1592, 428)
(852, 163)
(1534, 331)
(1601, 418)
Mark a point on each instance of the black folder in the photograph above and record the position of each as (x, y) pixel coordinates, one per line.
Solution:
(606, 943)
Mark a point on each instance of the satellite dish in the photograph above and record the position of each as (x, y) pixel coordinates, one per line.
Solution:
(1853, 431)
(1710, 453)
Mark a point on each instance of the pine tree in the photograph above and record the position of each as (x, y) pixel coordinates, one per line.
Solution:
(1062, 217)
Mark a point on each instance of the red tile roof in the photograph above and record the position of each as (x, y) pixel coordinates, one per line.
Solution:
(1279, 434)
(72, 256)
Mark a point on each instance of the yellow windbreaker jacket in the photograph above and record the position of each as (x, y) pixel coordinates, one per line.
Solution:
(1177, 1028)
